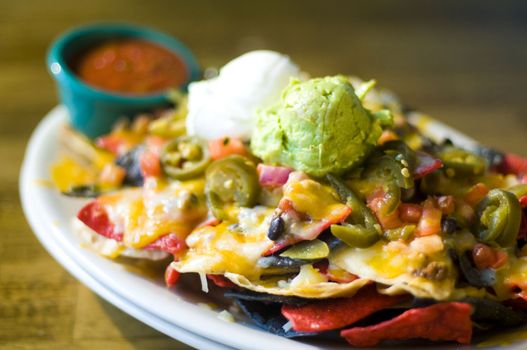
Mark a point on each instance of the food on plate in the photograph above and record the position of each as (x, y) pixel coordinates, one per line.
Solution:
(318, 127)
(315, 204)
(226, 105)
(132, 66)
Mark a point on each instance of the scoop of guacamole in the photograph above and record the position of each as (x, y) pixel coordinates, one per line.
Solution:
(319, 127)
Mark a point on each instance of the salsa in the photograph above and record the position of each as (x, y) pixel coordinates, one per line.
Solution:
(130, 66)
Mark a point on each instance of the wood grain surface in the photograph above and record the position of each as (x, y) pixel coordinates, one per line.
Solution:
(462, 62)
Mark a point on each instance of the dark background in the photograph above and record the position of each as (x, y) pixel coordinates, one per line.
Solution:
(463, 62)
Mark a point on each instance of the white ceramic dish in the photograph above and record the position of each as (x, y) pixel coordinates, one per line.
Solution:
(174, 313)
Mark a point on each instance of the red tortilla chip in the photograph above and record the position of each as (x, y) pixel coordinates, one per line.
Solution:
(445, 321)
(221, 281)
(330, 314)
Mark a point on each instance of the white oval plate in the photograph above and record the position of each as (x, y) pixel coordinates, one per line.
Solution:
(173, 312)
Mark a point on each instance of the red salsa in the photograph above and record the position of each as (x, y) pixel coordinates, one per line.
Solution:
(130, 66)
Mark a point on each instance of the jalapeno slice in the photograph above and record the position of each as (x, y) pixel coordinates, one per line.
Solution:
(233, 180)
(185, 157)
(307, 250)
(363, 229)
(499, 217)
(458, 161)
(355, 235)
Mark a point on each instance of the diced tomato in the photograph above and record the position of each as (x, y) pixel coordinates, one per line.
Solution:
(513, 164)
(170, 243)
(171, 276)
(387, 135)
(501, 259)
(523, 201)
(430, 222)
(446, 204)
(226, 146)
(273, 176)
(221, 281)
(95, 217)
(476, 193)
(114, 143)
(376, 201)
(150, 164)
(426, 164)
(409, 212)
(155, 144)
(112, 175)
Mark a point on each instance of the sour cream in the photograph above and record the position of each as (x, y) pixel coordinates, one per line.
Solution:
(227, 105)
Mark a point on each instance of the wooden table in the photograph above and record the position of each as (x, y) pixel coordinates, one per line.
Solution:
(462, 62)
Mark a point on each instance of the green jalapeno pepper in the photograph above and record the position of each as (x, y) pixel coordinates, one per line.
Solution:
(499, 217)
(356, 236)
(231, 180)
(185, 157)
(363, 229)
(402, 152)
(307, 250)
(391, 172)
(458, 161)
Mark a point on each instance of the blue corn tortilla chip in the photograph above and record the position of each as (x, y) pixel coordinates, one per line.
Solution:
(248, 295)
(269, 318)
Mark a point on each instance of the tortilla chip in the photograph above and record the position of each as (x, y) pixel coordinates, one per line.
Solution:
(445, 321)
(319, 290)
(322, 315)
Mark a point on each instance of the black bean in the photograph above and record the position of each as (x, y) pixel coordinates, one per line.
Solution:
(478, 278)
(276, 229)
(449, 225)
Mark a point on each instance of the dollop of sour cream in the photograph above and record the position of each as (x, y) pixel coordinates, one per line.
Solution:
(226, 105)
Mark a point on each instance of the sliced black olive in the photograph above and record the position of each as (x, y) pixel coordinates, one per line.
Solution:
(130, 161)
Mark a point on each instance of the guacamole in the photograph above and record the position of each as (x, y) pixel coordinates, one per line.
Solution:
(319, 127)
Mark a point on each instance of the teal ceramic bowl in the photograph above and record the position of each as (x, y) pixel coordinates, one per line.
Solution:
(93, 111)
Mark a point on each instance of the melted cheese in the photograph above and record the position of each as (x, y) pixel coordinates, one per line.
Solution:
(395, 264)
(305, 286)
(313, 199)
(512, 275)
(67, 172)
(229, 247)
(144, 215)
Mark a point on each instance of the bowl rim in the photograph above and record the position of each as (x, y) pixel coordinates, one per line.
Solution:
(63, 74)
